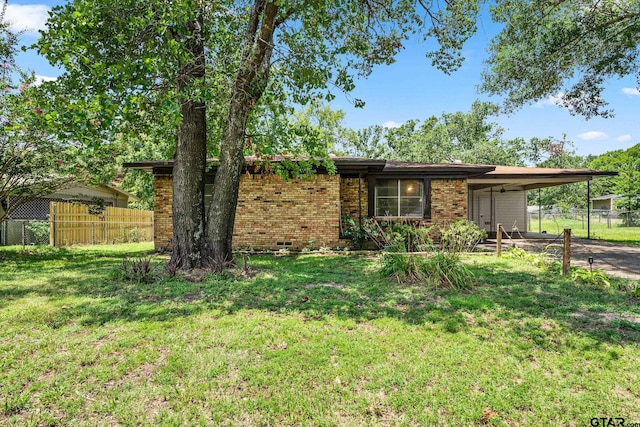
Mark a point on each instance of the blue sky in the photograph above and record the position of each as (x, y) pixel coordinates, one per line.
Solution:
(412, 89)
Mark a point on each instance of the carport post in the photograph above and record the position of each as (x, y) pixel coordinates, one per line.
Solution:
(588, 209)
(566, 252)
(539, 212)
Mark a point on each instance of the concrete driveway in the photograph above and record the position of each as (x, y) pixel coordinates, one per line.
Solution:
(616, 259)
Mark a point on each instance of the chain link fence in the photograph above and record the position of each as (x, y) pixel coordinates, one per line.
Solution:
(599, 218)
(44, 222)
(24, 232)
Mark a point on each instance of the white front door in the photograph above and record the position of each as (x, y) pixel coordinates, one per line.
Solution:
(484, 212)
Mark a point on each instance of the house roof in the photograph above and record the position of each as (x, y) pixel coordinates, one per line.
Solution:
(344, 165)
(479, 176)
(607, 197)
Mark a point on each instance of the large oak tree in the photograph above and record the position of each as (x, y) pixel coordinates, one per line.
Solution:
(242, 55)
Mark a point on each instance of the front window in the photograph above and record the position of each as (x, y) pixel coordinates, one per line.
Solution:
(399, 198)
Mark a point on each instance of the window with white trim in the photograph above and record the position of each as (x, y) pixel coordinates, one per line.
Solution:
(399, 198)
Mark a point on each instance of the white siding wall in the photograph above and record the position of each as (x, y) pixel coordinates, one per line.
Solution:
(508, 208)
(511, 210)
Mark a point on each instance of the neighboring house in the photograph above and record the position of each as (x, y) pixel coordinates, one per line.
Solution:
(12, 230)
(273, 213)
(604, 203)
(104, 195)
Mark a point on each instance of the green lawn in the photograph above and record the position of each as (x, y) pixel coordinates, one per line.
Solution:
(315, 340)
(600, 229)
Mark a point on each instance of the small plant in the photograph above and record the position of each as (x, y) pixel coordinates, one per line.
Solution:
(140, 269)
(134, 235)
(40, 231)
(356, 232)
(630, 288)
(401, 265)
(594, 278)
(536, 259)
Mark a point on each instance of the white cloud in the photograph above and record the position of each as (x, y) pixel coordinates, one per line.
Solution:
(27, 17)
(41, 79)
(624, 138)
(631, 91)
(594, 135)
(551, 100)
(391, 124)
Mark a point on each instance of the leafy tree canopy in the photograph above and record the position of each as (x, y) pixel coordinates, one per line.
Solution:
(566, 48)
(34, 162)
(469, 137)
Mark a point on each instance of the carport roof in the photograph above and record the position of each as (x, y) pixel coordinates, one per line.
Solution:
(528, 178)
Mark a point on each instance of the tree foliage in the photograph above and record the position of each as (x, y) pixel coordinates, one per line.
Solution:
(470, 137)
(34, 162)
(567, 49)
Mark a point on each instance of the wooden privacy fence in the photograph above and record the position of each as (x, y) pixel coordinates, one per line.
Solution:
(71, 224)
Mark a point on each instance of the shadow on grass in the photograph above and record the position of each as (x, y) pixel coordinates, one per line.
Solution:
(537, 308)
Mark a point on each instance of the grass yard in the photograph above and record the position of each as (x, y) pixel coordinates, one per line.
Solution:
(599, 229)
(316, 340)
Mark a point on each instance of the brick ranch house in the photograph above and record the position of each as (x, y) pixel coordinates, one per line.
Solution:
(273, 213)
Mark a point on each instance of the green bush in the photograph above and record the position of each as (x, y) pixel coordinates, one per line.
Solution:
(398, 263)
(541, 260)
(594, 278)
(39, 231)
(387, 233)
(461, 235)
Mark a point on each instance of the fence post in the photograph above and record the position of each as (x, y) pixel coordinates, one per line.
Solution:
(499, 241)
(23, 233)
(566, 252)
(52, 223)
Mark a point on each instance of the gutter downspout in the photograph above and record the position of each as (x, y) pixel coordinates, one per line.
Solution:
(360, 199)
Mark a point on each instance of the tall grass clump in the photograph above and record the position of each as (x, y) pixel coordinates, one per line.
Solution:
(435, 266)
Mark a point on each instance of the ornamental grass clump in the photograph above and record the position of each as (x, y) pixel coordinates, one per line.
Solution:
(439, 266)
(140, 269)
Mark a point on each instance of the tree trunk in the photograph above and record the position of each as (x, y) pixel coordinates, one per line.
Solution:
(189, 239)
(252, 77)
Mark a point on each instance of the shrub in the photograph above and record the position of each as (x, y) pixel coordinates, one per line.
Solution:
(595, 278)
(405, 267)
(40, 231)
(356, 232)
(536, 259)
(461, 235)
(630, 288)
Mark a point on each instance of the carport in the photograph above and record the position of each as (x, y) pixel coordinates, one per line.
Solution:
(500, 196)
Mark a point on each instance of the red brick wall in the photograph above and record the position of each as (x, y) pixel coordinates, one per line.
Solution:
(272, 212)
(349, 197)
(162, 212)
(301, 213)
